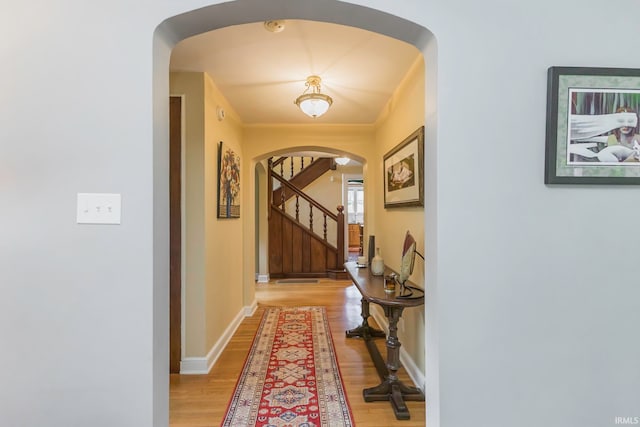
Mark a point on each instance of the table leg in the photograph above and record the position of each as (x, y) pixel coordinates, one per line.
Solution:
(392, 388)
(365, 330)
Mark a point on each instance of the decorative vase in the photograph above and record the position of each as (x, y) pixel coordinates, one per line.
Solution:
(377, 264)
(370, 247)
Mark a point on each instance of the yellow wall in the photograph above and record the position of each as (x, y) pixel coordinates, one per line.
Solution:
(405, 114)
(213, 247)
(224, 264)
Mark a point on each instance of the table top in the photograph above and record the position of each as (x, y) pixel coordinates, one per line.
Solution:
(372, 287)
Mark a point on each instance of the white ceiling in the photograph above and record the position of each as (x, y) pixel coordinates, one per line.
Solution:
(261, 73)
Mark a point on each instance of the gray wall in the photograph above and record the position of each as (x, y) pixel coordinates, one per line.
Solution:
(534, 301)
(538, 296)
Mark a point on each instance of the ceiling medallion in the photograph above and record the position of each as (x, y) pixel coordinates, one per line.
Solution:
(274, 26)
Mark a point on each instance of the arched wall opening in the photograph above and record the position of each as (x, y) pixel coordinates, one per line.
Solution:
(259, 167)
(217, 16)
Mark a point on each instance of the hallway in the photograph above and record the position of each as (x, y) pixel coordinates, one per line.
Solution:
(201, 400)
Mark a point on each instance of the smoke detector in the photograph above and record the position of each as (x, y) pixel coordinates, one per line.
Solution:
(274, 26)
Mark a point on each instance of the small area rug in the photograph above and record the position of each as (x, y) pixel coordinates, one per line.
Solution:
(291, 376)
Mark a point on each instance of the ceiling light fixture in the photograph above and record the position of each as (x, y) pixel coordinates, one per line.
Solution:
(313, 104)
(342, 160)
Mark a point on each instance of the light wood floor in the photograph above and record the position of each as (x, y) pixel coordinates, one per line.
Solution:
(201, 400)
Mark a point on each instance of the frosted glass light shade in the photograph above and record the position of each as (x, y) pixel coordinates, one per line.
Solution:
(314, 104)
(342, 160)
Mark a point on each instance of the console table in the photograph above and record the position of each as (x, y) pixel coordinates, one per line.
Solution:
(372, 289)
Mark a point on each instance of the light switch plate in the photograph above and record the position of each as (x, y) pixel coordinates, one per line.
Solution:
(98, 208)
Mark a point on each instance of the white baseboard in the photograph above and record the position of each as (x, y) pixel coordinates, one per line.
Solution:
(263, 278)
(202, 365)
(250, 309)
(409, 365)
(193, 366)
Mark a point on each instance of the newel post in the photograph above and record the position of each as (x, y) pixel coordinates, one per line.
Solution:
(269, 186)
(340, 244)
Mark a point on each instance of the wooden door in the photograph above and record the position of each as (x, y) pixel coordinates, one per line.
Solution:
(354, 235)
(175, 237)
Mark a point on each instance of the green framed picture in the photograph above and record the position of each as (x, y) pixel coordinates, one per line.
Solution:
(593, 134)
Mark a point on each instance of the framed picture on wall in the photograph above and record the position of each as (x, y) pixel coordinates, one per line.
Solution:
(593, 132)
(403, 172)
(228, 183)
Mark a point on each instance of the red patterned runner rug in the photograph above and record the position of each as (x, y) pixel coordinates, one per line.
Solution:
(291, 376)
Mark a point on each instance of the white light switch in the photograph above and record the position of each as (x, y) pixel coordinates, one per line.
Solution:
(98, 208)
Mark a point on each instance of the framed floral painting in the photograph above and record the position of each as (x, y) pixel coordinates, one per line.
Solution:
(228, 183)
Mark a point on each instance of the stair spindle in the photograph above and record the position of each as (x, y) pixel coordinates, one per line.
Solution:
(283, 199)
(291, 173)
(281, 170)
(310, 217)
(297, 208)
(270, 183)
(301, 163)
(325, 226)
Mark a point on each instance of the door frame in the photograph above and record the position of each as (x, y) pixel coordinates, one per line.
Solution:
(177, 237)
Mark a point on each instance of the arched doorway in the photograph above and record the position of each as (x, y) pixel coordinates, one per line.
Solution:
(217, 16)
(326, 185)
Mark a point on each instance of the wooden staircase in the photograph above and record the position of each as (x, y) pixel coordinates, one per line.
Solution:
(306, 239)
(304, 177)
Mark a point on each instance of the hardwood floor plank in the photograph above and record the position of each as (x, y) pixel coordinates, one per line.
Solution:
(201, 400)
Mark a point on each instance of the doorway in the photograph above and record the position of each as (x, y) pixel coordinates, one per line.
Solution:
(354, 203)
(231, 13)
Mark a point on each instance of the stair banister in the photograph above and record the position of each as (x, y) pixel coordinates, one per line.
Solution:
(302, 194)
(335, 255)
